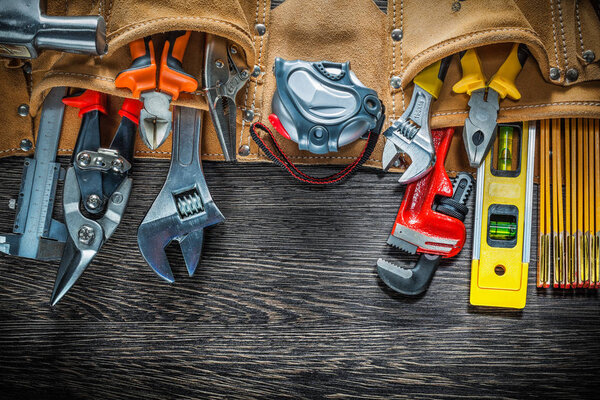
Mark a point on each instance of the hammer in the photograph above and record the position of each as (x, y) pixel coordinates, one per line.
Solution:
(25, 31)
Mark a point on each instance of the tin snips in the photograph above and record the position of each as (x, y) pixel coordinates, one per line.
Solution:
(97, 186)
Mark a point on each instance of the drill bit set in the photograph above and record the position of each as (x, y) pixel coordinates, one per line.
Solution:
(569, 219)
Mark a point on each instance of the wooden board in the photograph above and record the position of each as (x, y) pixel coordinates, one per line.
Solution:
(286, 303)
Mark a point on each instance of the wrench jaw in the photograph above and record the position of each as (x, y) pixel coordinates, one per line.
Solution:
(410, 134)
(154, 236)
(409, 282)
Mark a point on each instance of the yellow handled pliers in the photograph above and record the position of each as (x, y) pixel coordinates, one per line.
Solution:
(480, 126)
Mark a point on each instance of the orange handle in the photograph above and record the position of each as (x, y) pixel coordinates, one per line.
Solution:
(141, 75)
(172, 78)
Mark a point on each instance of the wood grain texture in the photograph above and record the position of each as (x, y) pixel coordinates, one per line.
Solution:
(286, 303)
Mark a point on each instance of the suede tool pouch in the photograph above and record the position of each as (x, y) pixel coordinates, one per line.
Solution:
(395, 40)
(128, 20)
(402, 37)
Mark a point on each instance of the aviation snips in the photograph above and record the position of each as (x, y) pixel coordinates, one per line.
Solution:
(97, 186)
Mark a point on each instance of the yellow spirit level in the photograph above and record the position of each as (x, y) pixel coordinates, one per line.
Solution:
(503, 211)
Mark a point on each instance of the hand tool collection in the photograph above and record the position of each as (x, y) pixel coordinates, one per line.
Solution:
(569, 234)
(319, 107)
(97, 185)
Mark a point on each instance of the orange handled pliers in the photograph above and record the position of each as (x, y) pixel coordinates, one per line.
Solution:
(140, 78)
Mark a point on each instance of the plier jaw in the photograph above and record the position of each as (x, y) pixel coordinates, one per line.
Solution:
(480, 126)
(156, 117)
(223, 79)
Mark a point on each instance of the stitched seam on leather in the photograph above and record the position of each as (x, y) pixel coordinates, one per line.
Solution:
(393, 59)
(562, 34)
(102, 78)
(249, 83)
(7, 150)
(168, 152)
(109, 15)
(260, 53)
(122, 31)
(559, 103)
(554, 35)
(579, 26)
(467, 36)
(402, 51)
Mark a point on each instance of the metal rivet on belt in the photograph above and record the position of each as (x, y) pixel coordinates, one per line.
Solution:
(397, 34)
(456, 6)
(244, 150)
(256, 71)
(23, 110)
(260, 29)
(25, 145)
(554, 73)
(588, 56)
(396, 82)
(572, 74)
(248, 115)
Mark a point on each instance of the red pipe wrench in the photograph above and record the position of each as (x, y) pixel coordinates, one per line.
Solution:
(429, 222)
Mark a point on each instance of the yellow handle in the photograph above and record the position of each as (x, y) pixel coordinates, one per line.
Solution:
(472, 74)
(431, 78)
(503, 81)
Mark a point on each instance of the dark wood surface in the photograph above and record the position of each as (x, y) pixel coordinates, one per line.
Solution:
(286, 303)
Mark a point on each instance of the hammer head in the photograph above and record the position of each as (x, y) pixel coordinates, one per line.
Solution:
(25, 31)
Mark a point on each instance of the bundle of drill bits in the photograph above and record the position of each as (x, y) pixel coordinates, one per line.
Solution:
(569, 241)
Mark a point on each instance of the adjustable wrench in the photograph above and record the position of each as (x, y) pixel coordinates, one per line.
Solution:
(410, 134)
(184, 207)
(35, 234)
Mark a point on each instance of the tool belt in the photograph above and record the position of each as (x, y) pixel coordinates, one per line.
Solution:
(387, 45)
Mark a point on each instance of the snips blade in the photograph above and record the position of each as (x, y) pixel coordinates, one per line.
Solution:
(86, 236)
(223, 79)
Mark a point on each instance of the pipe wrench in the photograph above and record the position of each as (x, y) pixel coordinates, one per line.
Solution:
(184, 207)
(223, 79)
(480, 126)
(410, 134)
(97, 183)
(36, 234)
(140, 78)
(429, 222)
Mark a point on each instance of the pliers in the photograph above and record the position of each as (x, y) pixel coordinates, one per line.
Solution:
(96, 182)
(479, 132)
(223, 79)
(140, 78)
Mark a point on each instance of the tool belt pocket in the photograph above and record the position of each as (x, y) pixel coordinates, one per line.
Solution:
(388, 45)
(127, 21)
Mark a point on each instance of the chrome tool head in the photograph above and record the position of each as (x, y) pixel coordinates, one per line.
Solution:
(184, 207)
(223, 79)
(410, 135)
(479, 132)
(155, 118)
(86, 236)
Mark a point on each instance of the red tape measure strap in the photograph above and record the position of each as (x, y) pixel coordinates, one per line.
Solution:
(279, 157)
